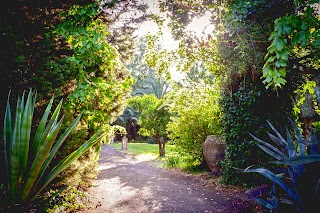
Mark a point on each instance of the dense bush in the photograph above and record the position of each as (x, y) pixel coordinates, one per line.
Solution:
(100, 88)
(244, 112)
(195, 114)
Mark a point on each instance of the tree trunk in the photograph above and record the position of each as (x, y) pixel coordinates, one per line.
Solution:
(307, 128)
(163, 147)
(161, 143)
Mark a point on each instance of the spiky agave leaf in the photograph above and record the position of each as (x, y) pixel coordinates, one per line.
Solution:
(67, 161)
(25, 184)
(26, 122)
(274, 178)
(58, 144)
(41, 127)
(40, 158)
(291, 148)
(265, 203)
(269, 149)
(7, 139)
(313, 144)
(299, 160)
(278, 134)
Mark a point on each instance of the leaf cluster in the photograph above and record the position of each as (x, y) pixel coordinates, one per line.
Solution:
(296, 31)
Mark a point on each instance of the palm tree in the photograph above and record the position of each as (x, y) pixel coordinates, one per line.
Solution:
(151, 85)
(129, 120)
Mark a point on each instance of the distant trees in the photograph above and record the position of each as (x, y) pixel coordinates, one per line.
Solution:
(129, 120)
(153, 119)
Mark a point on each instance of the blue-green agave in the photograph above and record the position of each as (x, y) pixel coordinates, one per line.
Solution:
(295, 159)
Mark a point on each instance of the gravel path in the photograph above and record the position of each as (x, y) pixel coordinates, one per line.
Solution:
(128, 185)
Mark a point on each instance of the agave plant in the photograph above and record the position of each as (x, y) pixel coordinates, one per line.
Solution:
(299, 172)
(27, 155)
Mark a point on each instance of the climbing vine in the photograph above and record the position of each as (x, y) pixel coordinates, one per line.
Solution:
(299, 31)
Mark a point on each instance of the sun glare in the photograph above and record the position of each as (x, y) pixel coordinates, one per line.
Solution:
(201, 26)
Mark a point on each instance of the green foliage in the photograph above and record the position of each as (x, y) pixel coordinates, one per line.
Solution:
(128, 114)
(246, 110)
(28, 169)
(239, 48)
(296, 31)
(238, 120)
(307, 101)
(100, 87)
(102, 80)
(233, 56)
(157, 57)
(298, 163)
(153, 119)
(128, 121)
(137, 66)
(69, 199)
(195, 114)
(64, 48)
(172, 161)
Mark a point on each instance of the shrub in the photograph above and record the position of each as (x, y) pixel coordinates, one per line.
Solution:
(172, 161)
(195, 114)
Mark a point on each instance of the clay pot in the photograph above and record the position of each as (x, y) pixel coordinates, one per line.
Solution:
(213, 151)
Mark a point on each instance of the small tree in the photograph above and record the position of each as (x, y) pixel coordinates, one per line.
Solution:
(153, 119)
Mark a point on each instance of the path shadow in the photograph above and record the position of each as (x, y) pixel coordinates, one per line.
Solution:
(140, 187)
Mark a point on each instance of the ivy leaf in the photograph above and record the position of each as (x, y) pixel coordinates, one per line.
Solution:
(304, 26)
(279, 81)
(271, 59)
(282, 26)
(271, 49)
(282, 71)
(295, 38)
(285, 55)
(303, 38)
(287, 29)
(268, 79)
(266, 70)
(280, 44)
(280, 63)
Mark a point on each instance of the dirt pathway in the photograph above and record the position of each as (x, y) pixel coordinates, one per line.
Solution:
(129, 185)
